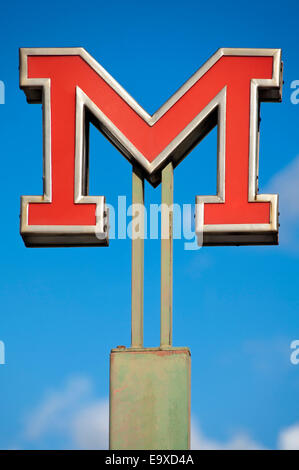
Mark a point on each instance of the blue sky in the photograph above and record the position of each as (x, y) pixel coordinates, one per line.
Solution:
(62, 310)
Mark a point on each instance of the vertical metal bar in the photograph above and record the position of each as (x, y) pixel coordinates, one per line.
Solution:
(166, 256)
(137, 263)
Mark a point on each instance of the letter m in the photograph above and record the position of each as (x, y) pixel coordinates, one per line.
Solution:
(75, 90)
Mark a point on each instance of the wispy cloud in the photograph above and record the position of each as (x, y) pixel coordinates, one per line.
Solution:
(90, 428)
(269, 356)
(289, 438)
(56, 409)
(72, 415)
(69, 413)
(240, 441)
(286, 184)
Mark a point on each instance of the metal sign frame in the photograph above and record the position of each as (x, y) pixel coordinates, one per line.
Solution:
(39, 90)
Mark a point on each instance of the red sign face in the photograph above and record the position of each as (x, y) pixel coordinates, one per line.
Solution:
(226, 91)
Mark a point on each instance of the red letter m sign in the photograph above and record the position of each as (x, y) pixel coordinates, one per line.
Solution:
(74, 90)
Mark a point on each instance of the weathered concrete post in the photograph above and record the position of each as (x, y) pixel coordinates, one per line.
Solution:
(150, 398)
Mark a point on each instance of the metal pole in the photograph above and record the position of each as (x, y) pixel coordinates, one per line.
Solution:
(166, 256)
(137, 262)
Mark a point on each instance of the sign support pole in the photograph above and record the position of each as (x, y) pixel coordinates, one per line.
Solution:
(166, 256)
(137, 262)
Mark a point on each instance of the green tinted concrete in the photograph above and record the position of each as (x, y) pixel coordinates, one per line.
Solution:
(150, 398)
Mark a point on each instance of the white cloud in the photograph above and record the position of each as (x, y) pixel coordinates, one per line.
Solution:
(289, 438)
(56, 408)
(90, 427)
(286, 184)
(240, 441)
(72, 415)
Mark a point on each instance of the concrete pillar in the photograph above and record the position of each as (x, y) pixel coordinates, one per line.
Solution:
(150, 398)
